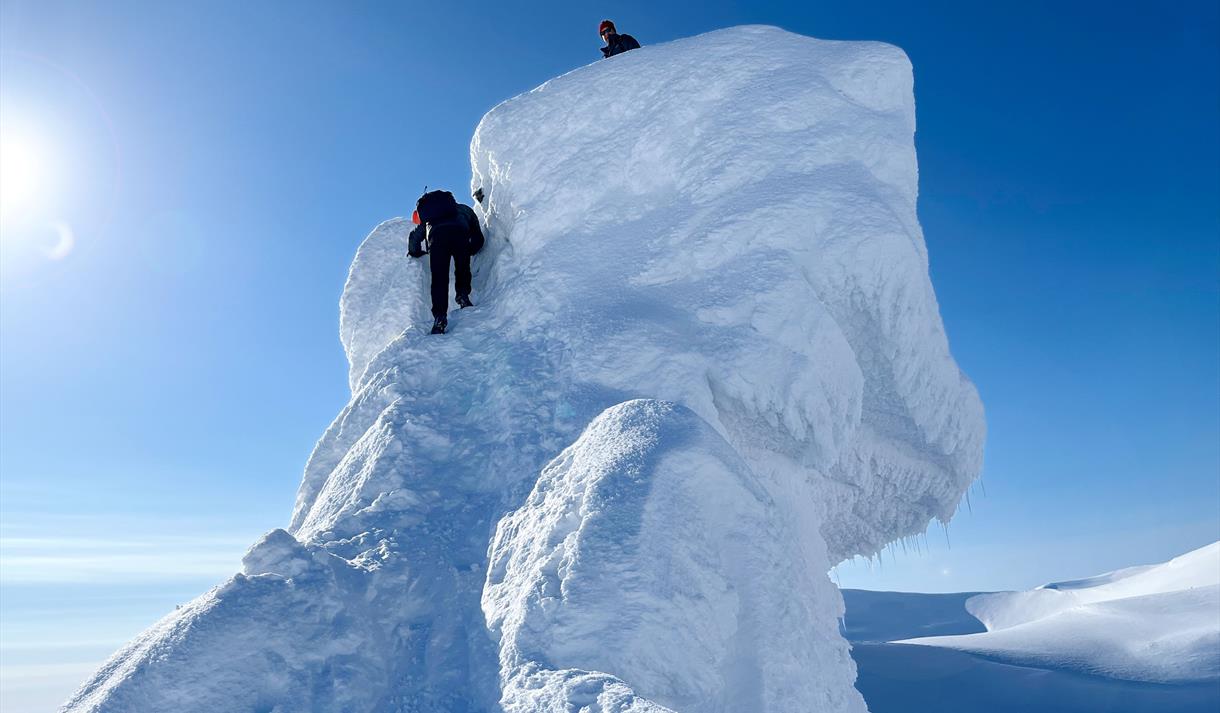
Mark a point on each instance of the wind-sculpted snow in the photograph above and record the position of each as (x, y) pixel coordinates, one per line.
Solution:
(1157, 623)
(650, 549)
(704, 317)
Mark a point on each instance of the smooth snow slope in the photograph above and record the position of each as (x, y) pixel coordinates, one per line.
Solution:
(706, 363)
(1157, 623)
(902, 678)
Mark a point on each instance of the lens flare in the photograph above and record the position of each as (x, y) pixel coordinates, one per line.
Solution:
(65, 241)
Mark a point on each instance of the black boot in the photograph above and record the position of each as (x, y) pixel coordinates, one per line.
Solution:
(464, 301)
(438, 327)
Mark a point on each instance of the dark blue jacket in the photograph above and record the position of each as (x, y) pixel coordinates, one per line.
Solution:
(618, 44)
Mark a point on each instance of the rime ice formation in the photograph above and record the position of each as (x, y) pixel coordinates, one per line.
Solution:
(648, 538)
(1157, 623)
(705, 364)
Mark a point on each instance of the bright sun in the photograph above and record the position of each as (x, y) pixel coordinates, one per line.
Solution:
(22, 172)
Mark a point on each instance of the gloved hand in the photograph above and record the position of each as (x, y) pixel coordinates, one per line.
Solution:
(417, 253)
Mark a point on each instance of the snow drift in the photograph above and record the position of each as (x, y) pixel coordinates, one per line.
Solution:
(1156, 623)
(706, 363)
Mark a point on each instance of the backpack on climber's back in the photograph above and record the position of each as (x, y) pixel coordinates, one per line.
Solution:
(436, 206)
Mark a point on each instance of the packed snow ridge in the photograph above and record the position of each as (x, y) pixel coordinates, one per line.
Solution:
(706, 364)
(1155, 623)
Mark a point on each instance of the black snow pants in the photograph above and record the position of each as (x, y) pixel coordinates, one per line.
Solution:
(449, 240)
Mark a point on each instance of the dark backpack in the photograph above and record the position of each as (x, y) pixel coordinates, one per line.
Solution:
(436, 206)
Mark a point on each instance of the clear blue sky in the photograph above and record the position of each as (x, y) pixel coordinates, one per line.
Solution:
(218, 163)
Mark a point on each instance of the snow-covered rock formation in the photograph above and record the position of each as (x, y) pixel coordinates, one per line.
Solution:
(1156, 623)
(706, 363)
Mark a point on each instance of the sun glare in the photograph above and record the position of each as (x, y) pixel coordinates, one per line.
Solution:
(23, 172)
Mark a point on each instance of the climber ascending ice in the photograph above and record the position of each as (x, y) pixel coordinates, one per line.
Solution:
(445, 229)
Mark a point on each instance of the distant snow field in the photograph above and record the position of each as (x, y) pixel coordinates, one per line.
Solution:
(1156, 623)
(706, 363)
(1139, 640)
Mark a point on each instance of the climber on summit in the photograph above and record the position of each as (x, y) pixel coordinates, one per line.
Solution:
(615, 43)
(444, 230)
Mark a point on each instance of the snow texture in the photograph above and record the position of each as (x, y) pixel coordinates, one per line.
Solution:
(1155, 623)
(705, 364)
(906, 678)
(650, 536)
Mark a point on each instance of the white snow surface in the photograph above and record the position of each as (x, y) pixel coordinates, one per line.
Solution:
(649, 548)
(705, 364)
(1156, 623)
